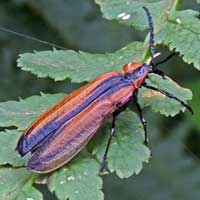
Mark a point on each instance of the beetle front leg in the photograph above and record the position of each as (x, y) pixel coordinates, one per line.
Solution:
(168, 95)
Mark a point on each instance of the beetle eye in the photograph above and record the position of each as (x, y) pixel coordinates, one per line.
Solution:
(140, 72)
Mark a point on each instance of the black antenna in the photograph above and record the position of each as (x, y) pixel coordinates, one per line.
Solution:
(151, 31)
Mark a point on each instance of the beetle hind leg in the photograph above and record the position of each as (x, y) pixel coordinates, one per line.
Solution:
(112, 133)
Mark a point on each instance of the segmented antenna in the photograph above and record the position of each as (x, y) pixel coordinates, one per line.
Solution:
(151, 31)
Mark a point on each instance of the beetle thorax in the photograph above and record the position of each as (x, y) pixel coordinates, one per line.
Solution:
(136, 73)
(132, 66)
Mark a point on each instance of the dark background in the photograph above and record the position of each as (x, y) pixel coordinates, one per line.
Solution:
(174, 170)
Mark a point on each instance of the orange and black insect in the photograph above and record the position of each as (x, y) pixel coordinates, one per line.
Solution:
(60, 133)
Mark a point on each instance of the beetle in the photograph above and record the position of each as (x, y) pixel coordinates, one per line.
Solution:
(56, 136)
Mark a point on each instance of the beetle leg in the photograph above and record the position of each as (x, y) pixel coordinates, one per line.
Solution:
(165, 59)
(168, 95)
(142, 119)
(112, 133)
(160, 73)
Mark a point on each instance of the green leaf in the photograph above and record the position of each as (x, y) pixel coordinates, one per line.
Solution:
(28, 192)
(179, 30)
(182, 32)
(8, 144)
(195, 85)
(21, 113)
(16, 184)
(127, 151)
(131, 12)
(159, 102)
(77, 181)
(171, 174)
(79, 67)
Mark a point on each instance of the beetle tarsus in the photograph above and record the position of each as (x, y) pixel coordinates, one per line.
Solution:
(146, 141)
(103, 166)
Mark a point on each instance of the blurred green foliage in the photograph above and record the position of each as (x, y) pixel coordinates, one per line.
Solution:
(173, 171)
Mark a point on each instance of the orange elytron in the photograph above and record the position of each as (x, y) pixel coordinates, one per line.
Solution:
(60, 133)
